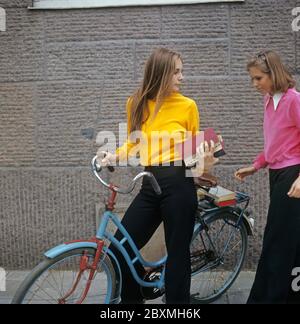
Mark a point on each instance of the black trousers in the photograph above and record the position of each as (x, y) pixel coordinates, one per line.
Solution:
(281, 243)
(176, 208)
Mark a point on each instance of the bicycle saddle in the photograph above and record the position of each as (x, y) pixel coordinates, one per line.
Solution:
(206, 180)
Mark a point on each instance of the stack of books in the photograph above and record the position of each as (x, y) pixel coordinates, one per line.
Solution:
(220, 195)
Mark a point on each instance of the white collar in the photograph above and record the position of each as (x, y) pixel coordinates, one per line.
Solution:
(276, 98)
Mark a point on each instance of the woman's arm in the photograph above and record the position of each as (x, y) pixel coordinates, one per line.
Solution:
(242, 173)
(295, 111)
(123, 151)
(294, 192)
(260, 161)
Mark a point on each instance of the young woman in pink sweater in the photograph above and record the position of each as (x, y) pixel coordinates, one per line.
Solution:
(281, 243)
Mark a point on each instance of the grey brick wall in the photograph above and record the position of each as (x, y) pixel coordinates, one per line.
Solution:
(64, 71)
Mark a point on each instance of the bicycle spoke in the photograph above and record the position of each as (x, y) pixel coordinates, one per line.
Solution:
(223, 250)
(40, 288)
(59, 282)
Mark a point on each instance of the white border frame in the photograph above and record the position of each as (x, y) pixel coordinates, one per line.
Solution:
(73, 4)
(2, 279)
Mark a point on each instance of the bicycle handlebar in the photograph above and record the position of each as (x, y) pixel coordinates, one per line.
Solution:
(96, 168)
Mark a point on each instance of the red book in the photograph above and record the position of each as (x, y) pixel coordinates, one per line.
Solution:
(210, 135)
(225, 203)
(188, 148)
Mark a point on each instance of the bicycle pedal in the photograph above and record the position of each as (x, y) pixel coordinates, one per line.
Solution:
(152, 292)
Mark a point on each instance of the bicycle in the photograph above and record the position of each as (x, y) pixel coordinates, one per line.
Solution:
(86, 271)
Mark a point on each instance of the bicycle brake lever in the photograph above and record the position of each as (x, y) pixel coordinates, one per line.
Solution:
(110, 168)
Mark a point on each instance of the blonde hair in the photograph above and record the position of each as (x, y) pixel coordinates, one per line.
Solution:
(158, 74)
(270, 63)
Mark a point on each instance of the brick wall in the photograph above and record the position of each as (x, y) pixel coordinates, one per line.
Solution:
(62, 72)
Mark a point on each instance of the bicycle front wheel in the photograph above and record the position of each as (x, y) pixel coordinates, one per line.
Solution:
(58, 280)
(217, 256)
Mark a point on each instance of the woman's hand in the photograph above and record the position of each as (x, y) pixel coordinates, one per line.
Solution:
(206, 159)
(295, 189)
(106, 158)
(242, 173)
(207, 152)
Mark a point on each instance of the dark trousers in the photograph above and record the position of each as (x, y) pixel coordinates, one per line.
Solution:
(281, 243)
(176, 208)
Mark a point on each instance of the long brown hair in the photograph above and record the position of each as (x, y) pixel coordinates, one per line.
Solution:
(158, 73)
(269, 62)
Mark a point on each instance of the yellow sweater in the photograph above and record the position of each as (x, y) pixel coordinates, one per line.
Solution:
(177, 119)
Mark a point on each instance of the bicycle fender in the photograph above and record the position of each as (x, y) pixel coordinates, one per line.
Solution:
(62, 248)
(234, 211)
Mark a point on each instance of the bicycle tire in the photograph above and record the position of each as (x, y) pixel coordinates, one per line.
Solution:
(32, 280)
(202, 272)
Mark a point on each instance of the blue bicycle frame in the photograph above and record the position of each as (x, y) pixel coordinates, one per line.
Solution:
(102, 233)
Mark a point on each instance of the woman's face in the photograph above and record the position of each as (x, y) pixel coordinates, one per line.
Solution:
(260, 80)
(177, 77)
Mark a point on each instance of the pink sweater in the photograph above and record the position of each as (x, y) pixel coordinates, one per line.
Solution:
(281, 132)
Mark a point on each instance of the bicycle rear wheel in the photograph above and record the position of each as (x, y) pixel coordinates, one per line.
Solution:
(217, 255)
(53, 279)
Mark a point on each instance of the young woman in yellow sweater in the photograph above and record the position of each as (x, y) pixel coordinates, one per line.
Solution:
(156, 107)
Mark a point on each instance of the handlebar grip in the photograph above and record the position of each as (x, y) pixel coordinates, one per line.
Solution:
(155, 185)
(98, 167)
(109, 167)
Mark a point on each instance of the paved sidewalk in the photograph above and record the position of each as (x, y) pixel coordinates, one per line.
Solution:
(237, 294)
